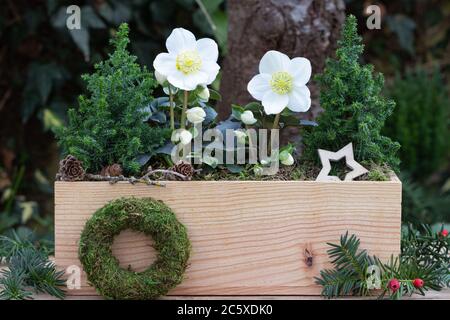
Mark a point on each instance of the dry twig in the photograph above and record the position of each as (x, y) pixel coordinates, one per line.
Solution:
(133, 180)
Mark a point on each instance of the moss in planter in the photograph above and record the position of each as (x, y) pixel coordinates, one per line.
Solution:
(378, 173)
(306, 171)
(154, 219)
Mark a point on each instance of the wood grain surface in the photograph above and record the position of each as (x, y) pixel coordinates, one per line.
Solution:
(248, 238)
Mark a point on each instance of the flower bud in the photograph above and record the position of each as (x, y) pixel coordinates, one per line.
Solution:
(204, 94)
(258, 170)
(286, 158)
(181, 135)
(196, 115)
(248, 118)
(185, 137)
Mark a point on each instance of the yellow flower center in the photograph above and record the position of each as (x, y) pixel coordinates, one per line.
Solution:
(281, 82)
(188, 62)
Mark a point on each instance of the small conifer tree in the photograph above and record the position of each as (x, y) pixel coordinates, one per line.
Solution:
(354, 109)
(108, 126)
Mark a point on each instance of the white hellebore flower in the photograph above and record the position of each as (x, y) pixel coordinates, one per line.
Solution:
(182, 135)
(247, 117)
(286, 158)
(196, 115)
(281, 83)
(189, 62)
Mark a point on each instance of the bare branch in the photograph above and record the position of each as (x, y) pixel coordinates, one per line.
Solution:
(132, 180)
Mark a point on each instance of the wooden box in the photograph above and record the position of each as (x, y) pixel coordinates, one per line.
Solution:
(248, 237)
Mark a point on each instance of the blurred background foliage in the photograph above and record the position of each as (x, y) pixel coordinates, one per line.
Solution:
(41, 63)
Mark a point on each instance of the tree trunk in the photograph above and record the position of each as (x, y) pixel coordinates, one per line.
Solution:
(298, 28)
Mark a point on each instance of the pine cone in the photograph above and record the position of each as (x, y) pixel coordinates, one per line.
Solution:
(113, 170)
(184, 168)
(70, 169)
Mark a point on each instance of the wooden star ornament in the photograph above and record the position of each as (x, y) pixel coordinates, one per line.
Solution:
(347, 152)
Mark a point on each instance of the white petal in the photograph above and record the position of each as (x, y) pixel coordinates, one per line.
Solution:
(212, 69)
(207, 49)
(177, 80)
(187, 82)
(301, 70)
(165, 64)
(160, 77)
(274, 61)
(274, 103)
(179, 40)
(259, 86)
(300, 99)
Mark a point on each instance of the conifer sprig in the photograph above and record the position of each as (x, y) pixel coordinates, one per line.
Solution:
(424, 256)
(29, 271)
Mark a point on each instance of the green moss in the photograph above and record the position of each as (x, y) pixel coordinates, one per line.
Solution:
(304, 171)
(154, 219)
(378, 173)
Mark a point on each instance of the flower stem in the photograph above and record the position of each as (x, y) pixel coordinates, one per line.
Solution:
(172, 113)
(276, 121)
(250, 143)
(183, 113)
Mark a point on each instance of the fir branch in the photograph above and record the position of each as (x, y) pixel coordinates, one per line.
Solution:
(29, 270)
(11, 246)
(39, 272)
(337, 283)
(349, 275)
(424, 256)
(346, 255)
(13, 286)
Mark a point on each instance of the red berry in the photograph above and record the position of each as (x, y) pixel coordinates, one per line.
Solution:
(444, 233)
(394, 285)
(418, 283)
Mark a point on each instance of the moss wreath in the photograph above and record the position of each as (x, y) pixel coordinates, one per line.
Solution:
(154, 219)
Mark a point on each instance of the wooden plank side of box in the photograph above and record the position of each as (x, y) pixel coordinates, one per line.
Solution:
(248, 238)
